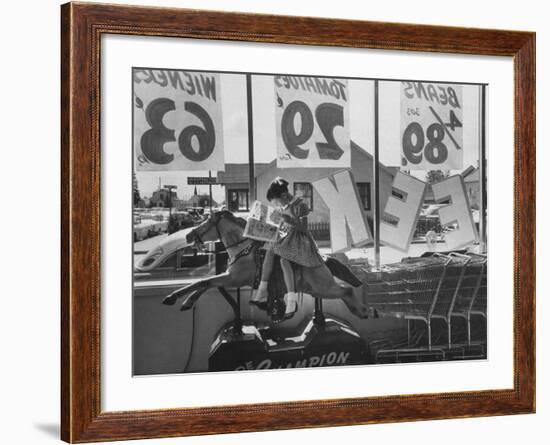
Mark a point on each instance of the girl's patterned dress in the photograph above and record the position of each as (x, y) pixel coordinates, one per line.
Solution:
(297, 245)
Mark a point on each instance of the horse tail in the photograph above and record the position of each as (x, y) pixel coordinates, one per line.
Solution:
(342, 272)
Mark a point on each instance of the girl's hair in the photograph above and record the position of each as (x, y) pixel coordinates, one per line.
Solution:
(277, 187)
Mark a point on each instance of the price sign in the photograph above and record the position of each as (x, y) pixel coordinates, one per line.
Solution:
(177, 120)
(431, 126)
(312, 120)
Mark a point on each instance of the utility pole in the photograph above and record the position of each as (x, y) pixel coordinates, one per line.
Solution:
(210, 188)
(251, 175)
(376, 181)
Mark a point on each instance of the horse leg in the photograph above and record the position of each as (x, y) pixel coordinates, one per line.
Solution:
(172, 298)
(221, 280)
(352, 302)
(192, 299)
(324, 286)
(355, 304)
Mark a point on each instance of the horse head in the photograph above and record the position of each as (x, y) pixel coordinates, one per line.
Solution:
(214, 227)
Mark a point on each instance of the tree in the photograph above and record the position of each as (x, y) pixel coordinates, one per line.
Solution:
(436, 176)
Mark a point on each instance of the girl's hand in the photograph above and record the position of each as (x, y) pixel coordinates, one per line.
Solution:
(287, 218)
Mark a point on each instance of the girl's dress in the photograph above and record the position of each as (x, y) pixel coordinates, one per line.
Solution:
(297, 245)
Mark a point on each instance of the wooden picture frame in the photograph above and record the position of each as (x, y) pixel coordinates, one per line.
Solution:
(82, 26)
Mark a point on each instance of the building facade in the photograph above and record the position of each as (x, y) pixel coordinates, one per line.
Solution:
(199, 200)
(164, 198)
(236, 182)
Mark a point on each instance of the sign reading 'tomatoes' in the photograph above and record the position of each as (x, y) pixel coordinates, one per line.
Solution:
(312, 122)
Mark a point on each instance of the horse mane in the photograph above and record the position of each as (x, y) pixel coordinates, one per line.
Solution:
(241, 222)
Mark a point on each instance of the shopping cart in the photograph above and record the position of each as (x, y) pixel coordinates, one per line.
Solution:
(472, 298)
(439, 286)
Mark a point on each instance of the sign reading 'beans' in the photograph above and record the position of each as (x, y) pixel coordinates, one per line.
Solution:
(431, 126)
(177, 120)
(312, 120)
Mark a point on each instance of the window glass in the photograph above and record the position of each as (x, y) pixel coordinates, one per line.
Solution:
(392, 197)
(172, 120)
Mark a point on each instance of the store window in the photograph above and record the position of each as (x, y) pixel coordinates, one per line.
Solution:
(364, 194)
(304, 190)
(238, 200)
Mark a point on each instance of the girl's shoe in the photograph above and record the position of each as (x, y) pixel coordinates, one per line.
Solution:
(291, 303)
(259, 304)
(260, 296)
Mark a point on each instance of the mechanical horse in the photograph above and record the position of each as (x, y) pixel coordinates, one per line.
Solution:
(242, 267)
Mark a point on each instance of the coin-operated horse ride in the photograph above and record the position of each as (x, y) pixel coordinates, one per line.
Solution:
(318, 341)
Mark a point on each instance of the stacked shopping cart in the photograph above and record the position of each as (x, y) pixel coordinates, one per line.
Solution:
(443, 297)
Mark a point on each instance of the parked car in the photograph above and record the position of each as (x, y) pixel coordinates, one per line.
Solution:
(175, 253)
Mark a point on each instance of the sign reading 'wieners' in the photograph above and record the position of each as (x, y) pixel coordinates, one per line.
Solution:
(177, 120)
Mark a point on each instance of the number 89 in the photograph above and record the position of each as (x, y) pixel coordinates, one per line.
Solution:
(436, 151)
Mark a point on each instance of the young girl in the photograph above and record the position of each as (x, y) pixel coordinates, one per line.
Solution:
(295, 246)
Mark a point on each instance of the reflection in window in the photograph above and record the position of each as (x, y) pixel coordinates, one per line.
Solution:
(304, 190)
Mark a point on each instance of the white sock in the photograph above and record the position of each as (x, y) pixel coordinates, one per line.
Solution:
(291, 296)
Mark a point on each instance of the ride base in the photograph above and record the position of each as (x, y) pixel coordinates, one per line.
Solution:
(318, 342)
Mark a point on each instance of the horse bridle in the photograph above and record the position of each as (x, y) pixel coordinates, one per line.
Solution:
(215, 221)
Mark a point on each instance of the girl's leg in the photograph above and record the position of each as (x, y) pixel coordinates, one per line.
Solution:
(268, 265)
(288, 274)
(267, 268)
(291, 299)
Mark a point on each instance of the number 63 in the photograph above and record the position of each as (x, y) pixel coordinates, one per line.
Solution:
(153, 140)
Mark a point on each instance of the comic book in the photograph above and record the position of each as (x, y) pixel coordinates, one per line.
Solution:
(264, 223)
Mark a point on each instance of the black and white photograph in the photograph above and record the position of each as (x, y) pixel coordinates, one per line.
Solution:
(300, 221)
(276, 222)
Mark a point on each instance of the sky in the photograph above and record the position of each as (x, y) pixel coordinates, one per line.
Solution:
(361, 123)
